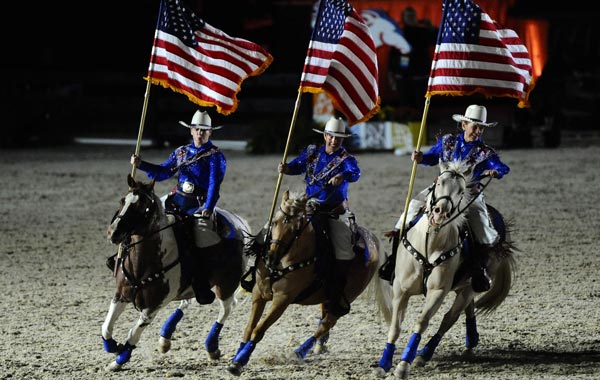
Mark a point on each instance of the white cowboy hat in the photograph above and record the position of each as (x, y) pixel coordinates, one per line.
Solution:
(335, 127)
(475, 114)
(201, 120)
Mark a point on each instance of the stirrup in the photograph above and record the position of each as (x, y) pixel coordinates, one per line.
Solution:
(246, 284)
(111, 261)
(340, 306)
(204, 296)
(386, 271)
(481, 281)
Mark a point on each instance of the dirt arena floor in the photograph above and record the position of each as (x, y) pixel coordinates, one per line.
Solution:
(55, 289)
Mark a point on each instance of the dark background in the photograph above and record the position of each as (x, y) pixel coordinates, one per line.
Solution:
(77, 68)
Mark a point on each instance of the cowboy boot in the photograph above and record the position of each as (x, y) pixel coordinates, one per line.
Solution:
(480, 279)
(200, 278)
(338, 303)
(202, 291)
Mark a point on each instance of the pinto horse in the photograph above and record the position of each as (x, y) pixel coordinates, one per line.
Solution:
(287, 272)
(431, 260)
(150, 272)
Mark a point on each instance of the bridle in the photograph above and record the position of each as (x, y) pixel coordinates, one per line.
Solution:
(136, 218)
(133, 219)
(272, 261)
(455, 211)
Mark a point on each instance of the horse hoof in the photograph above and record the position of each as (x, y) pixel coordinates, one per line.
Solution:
(320, 349)
(379, 372)
(235, 369)
(402, 370)
(114, 367)
(419, 361)
(164, 345)
(214, 355)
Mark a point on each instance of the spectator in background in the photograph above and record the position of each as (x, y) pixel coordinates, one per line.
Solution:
(411, 71)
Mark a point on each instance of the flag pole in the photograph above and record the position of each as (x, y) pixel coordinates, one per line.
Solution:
(137, 152)
(285, 152)
(293, 122)
(138, 145)
(414, 166)
(142, 123)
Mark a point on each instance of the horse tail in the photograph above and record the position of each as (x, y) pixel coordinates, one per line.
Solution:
(501, 283)
(382, 291)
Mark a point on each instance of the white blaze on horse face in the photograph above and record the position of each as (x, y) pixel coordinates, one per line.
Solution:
(129, 200)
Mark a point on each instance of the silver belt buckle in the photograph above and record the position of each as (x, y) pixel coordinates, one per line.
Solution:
(187, 187)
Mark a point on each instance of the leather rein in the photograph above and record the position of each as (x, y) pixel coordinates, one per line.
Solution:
(276, 274)
(455, 213)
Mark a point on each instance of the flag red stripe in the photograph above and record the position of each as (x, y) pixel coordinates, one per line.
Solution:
(498, 64)
(211, 67)
(345, 70)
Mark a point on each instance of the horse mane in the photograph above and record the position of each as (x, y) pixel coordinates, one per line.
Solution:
(459, 166)
(294, 202)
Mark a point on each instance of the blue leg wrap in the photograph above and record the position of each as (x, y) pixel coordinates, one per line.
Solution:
(243, 355)
(386, 358)
(305, 348)
(125, 354)
(472, 338)
(240, 348)
(212, 340)
(170, 324)
(110, 345)
(427, 351)
(410, 352)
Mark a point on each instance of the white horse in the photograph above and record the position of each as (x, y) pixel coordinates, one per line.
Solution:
(384, 30)
(430, 262)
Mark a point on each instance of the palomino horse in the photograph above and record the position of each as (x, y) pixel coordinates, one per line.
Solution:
(288, 273)
(429, 261)
(150, 273)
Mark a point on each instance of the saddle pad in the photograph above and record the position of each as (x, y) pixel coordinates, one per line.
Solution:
(226, 221)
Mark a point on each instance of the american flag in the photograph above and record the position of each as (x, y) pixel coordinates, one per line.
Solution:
(342, 61)
(193, 58)
(474, 54)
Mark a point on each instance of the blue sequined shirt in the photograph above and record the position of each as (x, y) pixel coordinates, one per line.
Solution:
(319, 167)
(476, 153)
(206, 173)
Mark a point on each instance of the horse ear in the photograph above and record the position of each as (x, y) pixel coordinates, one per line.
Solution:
(443, 165)
(151, 184)
(286, 195)
(130, 181)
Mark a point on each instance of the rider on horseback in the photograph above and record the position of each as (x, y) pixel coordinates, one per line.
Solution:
(201, 167)
(328, 170)
(467, 146)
